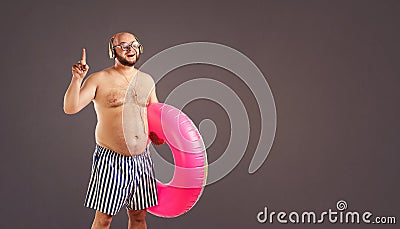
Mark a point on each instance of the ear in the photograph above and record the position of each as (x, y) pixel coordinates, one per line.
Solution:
(140, 44)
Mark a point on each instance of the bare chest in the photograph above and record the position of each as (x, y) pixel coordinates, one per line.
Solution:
(114, 97)
(117, 95)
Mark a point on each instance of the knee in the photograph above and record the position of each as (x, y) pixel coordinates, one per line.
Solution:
(102, 219)
(137, 215)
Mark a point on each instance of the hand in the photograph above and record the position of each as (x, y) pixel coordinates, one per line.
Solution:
(80, 69)
(155, 139)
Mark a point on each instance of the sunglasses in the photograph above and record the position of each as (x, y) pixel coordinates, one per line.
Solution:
(126, 46)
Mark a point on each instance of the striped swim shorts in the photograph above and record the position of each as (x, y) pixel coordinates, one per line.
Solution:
(117, 180)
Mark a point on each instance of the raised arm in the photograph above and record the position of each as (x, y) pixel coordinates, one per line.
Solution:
(77, 97)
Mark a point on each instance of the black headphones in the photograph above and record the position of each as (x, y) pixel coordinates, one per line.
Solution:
(111, 48)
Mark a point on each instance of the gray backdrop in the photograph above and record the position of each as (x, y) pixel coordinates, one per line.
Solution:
(333, 67)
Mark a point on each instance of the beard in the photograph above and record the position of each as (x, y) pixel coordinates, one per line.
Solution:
(124, 61)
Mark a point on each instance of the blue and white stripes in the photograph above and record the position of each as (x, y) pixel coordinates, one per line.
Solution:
(117, 180)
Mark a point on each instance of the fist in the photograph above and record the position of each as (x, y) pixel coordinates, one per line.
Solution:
(80, 69)
(155, 139)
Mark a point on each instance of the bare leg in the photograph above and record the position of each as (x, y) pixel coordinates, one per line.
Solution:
(101, 221)
(137, 219)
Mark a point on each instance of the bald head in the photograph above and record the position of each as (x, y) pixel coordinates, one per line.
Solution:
(123, 37)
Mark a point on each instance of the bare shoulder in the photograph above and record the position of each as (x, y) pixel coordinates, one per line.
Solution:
(103, 73)
(146, 77)
(97, 77)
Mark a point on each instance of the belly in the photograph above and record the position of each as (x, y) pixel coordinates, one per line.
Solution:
(125, 133)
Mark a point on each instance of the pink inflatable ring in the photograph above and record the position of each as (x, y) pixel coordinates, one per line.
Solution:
(186, 144)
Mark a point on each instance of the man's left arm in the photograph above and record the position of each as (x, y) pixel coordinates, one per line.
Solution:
(153, 96)
(153, 136)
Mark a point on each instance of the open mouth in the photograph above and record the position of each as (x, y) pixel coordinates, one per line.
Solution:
(131, 55)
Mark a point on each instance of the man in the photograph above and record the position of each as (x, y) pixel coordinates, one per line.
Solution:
(122, 171)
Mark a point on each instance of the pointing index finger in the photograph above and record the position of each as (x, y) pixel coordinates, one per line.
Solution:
(83, 61)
